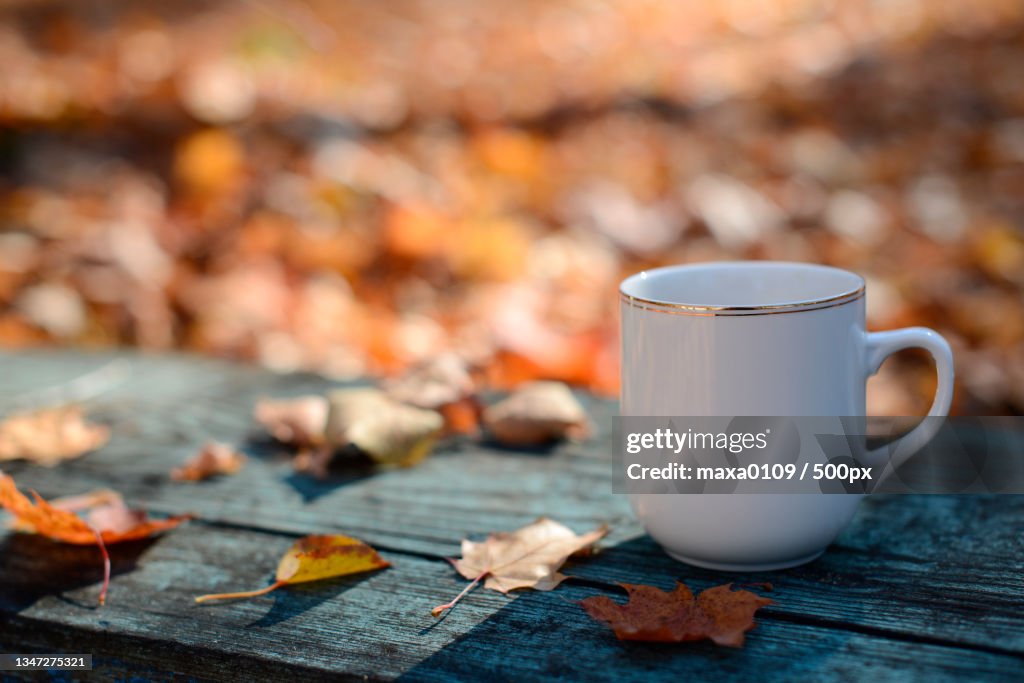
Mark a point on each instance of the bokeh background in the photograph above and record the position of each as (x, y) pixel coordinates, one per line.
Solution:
(348, 187)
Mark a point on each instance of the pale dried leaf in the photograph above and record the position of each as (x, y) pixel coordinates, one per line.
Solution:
(537, 413)
(50, 436)
(433, 383)
(387, 431)
(299, 422)
(115, 518)
(527, 558)
(401, 436)
(347, 407)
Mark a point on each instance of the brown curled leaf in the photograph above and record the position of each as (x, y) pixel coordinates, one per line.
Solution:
(212, 460)
(720, 614)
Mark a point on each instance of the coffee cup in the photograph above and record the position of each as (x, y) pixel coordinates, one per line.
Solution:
(757, 338)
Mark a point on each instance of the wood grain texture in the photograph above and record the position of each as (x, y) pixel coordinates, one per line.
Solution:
(924, 586)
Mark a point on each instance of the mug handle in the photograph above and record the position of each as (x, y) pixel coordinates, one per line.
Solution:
(881, 345)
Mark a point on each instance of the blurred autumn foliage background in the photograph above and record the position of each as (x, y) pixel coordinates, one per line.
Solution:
(348, 187)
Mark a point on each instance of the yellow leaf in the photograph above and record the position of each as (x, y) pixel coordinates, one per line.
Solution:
(315, 558)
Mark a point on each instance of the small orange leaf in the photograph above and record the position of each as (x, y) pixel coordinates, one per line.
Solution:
(315, 558)
(214, 459)
(653, 615)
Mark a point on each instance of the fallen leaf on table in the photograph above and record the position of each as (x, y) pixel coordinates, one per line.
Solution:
(387, 431)
(537, 413)
(433, 383)
(98, 518)
(315, 558)
(102, 512)
(529, 557)
(444, 384)
(50, 436)
(298, 421)
(212, 460)
(401, 436)
(348, 407)
(87, 501)
(653, 615)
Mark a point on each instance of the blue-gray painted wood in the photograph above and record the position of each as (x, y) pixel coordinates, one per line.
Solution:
(919, 587)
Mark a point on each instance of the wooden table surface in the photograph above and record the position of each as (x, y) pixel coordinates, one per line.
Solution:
(919, 587)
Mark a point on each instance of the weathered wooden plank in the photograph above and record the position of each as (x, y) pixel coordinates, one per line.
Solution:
(152, 435)
(939, 568)
(906, 565)
(379, 625)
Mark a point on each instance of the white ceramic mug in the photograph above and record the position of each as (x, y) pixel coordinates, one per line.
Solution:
(756, 338)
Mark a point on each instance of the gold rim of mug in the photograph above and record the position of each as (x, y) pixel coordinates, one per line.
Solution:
(796, 307)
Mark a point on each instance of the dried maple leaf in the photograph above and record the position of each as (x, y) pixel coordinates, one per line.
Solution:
(298, 421)
(212, 460)
(315, 558)
(653, 615)
(389, 432)
(537, 413)
(529, 557)
(99, 518)
(50, 436)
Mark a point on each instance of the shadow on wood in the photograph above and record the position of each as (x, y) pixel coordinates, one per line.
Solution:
(39, 567)
(549, 636)
(341, 472)
(294, 601)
